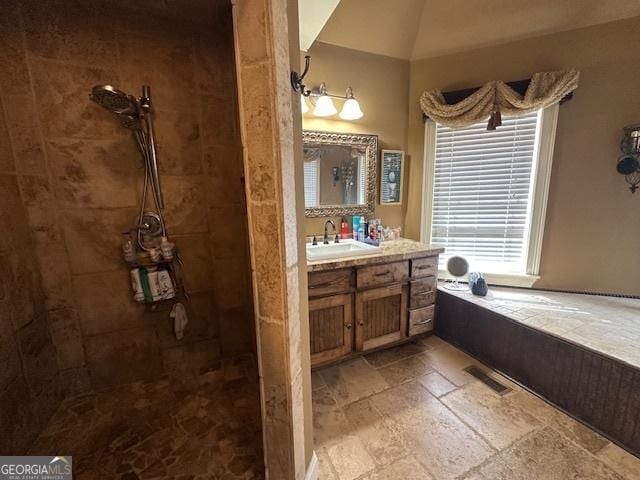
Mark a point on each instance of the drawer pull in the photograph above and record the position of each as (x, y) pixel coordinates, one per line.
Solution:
(320, 285)
(428, 292)
(423, 322)
(382, 274)
(422, 267)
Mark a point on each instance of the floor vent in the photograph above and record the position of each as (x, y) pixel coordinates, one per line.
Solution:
(492, 383)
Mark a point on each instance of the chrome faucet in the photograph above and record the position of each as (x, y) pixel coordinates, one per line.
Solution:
(326, 235)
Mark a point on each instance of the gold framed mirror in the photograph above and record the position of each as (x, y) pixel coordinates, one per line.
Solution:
(339, 173)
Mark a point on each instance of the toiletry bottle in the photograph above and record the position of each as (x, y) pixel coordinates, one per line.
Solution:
(361, 236)
(165, 284)
(355, 222)
(154, 284)
(136, 285)
(128, 250)
(344, 228)
(166, 247)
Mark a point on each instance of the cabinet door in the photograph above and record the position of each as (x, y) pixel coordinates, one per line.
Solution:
(381, 316)
(330, 328)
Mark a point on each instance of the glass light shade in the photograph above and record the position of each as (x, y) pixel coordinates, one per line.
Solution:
(324, 107)
(303, 104)
(351, 110)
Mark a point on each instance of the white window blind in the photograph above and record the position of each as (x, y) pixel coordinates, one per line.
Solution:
(362, 175)
(312, 183)
(482, 191)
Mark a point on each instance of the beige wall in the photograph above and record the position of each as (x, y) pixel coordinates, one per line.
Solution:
(82, 176)
(592, 229)
(381, 85)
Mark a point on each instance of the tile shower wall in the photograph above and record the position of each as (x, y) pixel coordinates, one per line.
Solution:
(30, 390)
(80, 176)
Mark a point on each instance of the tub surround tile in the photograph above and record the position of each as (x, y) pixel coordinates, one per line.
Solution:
(607, 325)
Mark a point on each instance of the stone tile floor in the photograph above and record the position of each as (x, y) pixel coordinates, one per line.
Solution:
(206, 427)
(608, 325)
(412, 413)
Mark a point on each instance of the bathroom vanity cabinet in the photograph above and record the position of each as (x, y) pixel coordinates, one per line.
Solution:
(367, 303)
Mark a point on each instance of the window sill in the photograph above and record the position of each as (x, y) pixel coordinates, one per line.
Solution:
(499, 279)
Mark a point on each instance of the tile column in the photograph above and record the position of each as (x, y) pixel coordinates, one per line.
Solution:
(267, 129)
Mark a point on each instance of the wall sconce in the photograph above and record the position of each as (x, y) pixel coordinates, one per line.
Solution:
(629, 163)
(321, 100)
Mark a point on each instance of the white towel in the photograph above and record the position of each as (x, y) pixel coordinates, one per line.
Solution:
(180, 319)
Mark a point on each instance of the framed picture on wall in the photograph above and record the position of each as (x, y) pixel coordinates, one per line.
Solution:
(391, 177)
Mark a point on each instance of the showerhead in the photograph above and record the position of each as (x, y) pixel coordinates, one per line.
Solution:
(114, 100)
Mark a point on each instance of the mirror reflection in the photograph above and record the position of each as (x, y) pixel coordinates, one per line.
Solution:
(334, 175)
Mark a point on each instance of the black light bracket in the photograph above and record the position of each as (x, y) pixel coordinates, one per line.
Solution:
(298, 78)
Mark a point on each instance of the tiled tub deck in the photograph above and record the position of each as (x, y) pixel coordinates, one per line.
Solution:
(579, 351)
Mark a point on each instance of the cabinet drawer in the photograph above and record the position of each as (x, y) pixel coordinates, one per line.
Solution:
(422, 267)
(426, 284)
(329, 283)
(382, 274)
(423, 292)
(422, 299)
(421, 320)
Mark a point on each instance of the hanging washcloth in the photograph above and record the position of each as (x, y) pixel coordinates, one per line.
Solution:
(180, 320)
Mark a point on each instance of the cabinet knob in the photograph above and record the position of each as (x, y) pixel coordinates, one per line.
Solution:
(348, 325)
(361, 323)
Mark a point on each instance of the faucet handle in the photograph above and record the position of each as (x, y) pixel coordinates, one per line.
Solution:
(315, 241)
(337, 239)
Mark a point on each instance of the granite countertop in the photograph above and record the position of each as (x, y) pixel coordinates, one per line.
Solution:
(391, 251)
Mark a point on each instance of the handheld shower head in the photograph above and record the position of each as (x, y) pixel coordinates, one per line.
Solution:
(114, 100)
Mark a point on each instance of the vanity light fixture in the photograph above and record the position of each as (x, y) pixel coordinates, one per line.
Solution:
(324, 105)
(351, 108)
(321, 100)
(629, 162)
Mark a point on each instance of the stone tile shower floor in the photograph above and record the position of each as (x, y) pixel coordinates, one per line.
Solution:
(413, 413)
(207, 427)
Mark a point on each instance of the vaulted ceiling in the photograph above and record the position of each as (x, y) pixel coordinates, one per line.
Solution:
(414, 29)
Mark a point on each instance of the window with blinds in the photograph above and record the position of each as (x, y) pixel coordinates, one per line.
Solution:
(482, 192)
(312, 183)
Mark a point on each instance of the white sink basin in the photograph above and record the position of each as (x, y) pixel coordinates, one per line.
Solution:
(346, 248)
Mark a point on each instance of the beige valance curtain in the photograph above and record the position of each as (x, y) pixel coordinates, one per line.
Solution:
(496, 98)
